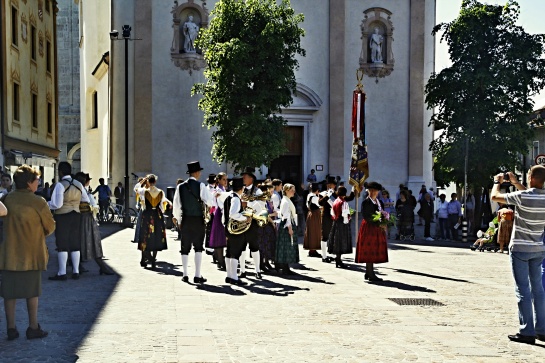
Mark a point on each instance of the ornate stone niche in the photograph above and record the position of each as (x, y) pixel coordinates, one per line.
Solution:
(377, 58)
(187, 20)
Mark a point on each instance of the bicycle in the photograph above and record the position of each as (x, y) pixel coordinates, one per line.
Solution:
(115, 214)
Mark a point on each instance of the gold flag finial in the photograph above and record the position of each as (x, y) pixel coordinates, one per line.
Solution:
(359, 77)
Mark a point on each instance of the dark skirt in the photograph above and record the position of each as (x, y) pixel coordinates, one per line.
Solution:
(21, 284)
(372, 246)
(208, 230)
(340, 238)
(287, 249)
(152, 232)
(138, 226)
(313, 231)
(67, 231)
(91, 243)
(267, 241)
(217, 234)
(327, 223)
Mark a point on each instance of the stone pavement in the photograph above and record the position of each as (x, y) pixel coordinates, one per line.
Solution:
(321, 314)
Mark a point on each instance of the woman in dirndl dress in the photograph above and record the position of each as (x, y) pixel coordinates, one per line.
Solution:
(152, 232)
(313, 229)
(91, 242)
(139, 203)
(340, 238)
(266, 235)
(372, 246)
(287, 248)
(218, 240)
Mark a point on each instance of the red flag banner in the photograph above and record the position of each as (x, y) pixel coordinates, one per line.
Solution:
(359, 167)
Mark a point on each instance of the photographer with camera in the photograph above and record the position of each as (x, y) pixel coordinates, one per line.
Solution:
(526, 249)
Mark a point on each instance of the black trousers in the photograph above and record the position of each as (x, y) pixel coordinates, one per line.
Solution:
(252, 236)
(192, 234)
(67, 232)
(236, 243)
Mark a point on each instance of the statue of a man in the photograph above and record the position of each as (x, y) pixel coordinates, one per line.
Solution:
(191, 30)
(375, 43)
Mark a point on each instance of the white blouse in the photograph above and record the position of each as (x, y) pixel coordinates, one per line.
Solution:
(287, 211)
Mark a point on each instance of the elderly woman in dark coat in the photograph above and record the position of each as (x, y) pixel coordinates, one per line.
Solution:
(23, 254)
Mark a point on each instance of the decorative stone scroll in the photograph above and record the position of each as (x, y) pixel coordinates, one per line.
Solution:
(187, 20)
(377, 58)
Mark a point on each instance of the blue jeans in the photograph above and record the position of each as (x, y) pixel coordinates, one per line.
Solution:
(526, 267)
(543, 274)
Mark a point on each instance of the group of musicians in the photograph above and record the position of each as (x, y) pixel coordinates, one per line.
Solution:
(262, 219)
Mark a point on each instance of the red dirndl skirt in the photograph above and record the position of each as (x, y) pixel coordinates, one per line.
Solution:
(371, 246)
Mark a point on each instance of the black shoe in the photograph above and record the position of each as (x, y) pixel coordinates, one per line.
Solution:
(13, 333)
(473, 247)
(258, 275)
(199, 280)
(314, 254)
(519, 338)
(238, 282)
(287, 271)
(35, 333)
(366, 276)
(339, 264)
(209, 253)
(75, 276)
(540, 337)
(374, 278)
(185, 279)
(242, 275)
(228, 280)
(143, 263)
(58, 278)
(82, 269)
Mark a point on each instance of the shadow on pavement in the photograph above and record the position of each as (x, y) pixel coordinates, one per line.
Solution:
(402, 286)
(166, 268)
(267, 287)
(222, 289)
(67, 310)
(429, 275)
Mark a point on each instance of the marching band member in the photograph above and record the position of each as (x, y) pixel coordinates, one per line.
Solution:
(248, 179)
(340, 237)
(236, 243)
(217, 236)
(188, 210)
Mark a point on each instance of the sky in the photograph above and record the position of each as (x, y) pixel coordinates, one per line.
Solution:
(532, 14)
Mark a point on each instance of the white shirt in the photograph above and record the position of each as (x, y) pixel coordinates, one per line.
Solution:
(234, 210)
(139, 190)
(204, 194)
(287, 212)
(276, 199)
(312, 199)
(57, 197)
(92, 200)
(256, 205)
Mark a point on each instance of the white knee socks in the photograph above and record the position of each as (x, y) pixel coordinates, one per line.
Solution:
(324, 249)
(63, 259)
(228, 266)
(234, 263)
(74, 256)
(198, 261)
(185, 261)
(257, 261)
(242, 261)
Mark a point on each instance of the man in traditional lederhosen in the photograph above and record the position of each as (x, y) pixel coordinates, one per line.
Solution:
(65, 201)
(236, 243)
(326, 201)
(188, 210)
(212, 188)
(250, 189)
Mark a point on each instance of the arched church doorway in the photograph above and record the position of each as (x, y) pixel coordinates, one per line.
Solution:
(289, 167)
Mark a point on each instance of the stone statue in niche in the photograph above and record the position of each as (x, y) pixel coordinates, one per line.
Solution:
(190, 30)
(375, 43)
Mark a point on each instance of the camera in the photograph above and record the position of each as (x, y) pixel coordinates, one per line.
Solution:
(506, 178)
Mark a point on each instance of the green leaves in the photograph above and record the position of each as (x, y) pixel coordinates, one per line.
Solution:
(485, 96)
(250, 48)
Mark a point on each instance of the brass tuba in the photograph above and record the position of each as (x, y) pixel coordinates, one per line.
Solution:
(239, 227)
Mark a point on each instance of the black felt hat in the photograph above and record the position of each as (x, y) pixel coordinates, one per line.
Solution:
(193, 167)
(211, 178)
(236, 183)
(249, 171)
(331, 180)
(374, 185)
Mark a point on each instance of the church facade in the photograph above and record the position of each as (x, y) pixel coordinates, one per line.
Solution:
(389, 40)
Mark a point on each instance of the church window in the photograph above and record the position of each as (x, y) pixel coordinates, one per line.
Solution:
(95, 110)
(14, 27)
(48, 56)
(49, 118)
(34, 111)
(16, 104)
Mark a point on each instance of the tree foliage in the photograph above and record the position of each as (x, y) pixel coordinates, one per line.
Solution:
(485, 96)
(250, 48)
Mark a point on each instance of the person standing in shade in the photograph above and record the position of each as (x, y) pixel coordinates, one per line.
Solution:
(65, 200)
(313, 229)
(311, 178)
(426, 212)
(188, 210)
(236, 243)
(527, 250)
(212, 183)
(454, 215)
(23, 253)
(442, 215)
(372, 247)
(287, 248)
(119, 194)
(218, 240)
(340, 239)
(104, 194)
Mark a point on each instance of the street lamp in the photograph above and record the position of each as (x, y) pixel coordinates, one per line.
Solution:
(126, 35)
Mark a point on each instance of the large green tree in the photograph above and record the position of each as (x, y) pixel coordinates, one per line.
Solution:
(485, 95)
(250, 48)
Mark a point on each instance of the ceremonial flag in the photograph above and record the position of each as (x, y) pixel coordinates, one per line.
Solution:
(359, 167)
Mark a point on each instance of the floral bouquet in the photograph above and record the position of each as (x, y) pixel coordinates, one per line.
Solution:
(383, 218)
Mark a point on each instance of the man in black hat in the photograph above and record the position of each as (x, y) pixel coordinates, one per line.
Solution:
(236, 243)
(326, 201)
(250, 189)
(190, 201)
(212, 188)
